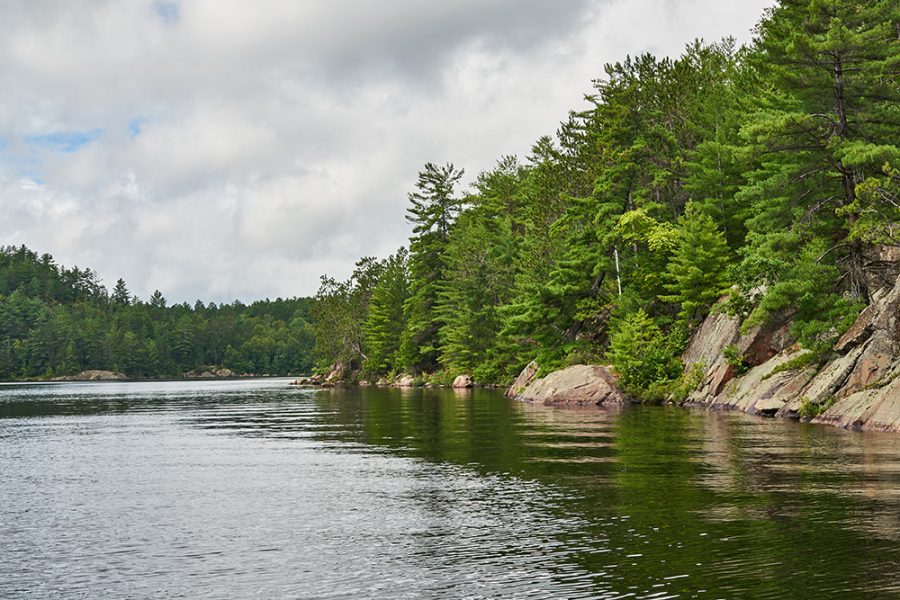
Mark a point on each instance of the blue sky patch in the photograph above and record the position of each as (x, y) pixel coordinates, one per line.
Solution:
(134, 126)
(65, 141)
(167, 11)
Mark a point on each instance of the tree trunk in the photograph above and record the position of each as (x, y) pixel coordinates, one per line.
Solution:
(859, 287)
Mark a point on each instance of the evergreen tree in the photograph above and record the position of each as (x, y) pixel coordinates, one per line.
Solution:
(697, 269)
(479, 276)
(121, 295)
(433, 210)
(339, 312)
(386, 322)
(642, 356)
(826, 123)
(157, 300)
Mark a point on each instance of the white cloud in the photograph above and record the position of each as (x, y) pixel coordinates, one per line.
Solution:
(244, 148)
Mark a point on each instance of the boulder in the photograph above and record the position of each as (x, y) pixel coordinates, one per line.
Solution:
(405, 381)
(577, 385)
(524, 378)
(463, 381)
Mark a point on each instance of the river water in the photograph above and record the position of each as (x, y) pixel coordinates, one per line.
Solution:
(253, 489)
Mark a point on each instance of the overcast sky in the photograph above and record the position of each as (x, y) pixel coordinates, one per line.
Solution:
(225, 150)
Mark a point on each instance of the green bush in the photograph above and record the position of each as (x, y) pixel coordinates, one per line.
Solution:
(809, 410)
(643, 357)
(735, 359)
(682, 387)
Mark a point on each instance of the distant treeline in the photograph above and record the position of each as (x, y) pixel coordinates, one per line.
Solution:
(61, 321)
(770, 171)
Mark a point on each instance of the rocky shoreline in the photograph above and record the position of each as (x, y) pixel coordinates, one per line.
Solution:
(762, 372)
(93, 375)
(856, 387)
(106, 375)
(334, 378)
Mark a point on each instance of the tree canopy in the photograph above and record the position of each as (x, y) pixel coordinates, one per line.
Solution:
(61, 321)
(768, 172)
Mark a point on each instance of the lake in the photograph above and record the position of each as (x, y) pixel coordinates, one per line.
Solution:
(254, 489)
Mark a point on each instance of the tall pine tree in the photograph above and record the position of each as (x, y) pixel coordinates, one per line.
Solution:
(433, 209)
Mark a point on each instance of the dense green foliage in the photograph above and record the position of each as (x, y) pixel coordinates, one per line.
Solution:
(769, 172)
(60, 321)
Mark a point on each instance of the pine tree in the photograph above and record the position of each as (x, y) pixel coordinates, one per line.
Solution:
(433, 210)
(121, 295)
(641, 355)
(479, 276)
(386, 322)
(697, 269)
(157, 300)
(825, 125)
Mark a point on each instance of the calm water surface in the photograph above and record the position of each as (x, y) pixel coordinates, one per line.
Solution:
(252, 489)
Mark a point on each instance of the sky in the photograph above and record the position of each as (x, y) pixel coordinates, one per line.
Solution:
(223, 149)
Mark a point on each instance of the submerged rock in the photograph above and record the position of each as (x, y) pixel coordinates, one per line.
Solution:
(578, 385)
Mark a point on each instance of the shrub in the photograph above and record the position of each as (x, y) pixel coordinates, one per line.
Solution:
(735, 359)
(809, 409)
(643, 358)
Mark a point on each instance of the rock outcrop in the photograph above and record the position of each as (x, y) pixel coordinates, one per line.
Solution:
(210, 373)
(575, 385)
(719, 331)
(94, 375)
(857, 388)
(525, 377)
(335, 373)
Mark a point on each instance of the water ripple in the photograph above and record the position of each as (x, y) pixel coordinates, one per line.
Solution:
(254, 489)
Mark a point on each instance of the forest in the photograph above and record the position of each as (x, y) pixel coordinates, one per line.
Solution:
(761, 180)
(57, 321)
